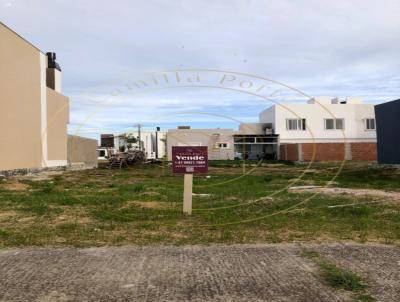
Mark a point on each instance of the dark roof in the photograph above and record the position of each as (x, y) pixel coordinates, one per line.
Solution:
(389, 103)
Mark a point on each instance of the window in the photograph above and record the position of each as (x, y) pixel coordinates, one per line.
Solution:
(334, 124)
(329, 124)
(369, 124)
(222, 145)
(296, 124)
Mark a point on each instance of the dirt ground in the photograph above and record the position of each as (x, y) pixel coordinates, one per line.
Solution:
(394, 196)
(276, 272)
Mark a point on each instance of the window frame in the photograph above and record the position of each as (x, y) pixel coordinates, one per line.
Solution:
(301, 124)
(366, 124)
(334, 124)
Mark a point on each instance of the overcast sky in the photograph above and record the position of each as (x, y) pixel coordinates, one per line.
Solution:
(337, 48)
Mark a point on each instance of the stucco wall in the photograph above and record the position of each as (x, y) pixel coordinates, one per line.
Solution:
(203, 137)
(57, 120)
(354, 115)
(82, 150)
(20, 103)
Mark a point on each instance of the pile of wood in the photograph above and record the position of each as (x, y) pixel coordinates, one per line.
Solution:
(124, 159)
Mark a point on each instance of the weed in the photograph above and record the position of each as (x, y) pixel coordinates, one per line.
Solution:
(138, 188)
(365, 298)
(339, 278)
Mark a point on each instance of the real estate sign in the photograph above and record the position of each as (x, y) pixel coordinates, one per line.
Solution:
(189, 159)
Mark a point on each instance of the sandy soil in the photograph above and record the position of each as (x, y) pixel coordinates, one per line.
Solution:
(347, 191)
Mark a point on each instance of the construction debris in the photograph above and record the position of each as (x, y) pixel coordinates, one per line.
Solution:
(124, 159)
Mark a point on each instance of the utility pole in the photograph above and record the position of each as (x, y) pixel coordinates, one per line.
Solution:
(157, 129)
(139, 136)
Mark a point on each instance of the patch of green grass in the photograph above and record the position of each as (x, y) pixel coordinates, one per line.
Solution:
(338, 278)
(138, 188)
(365, 298)
(4, 234)
(341, 279)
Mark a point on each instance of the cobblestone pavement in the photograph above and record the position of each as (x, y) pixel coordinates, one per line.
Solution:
(192, 273)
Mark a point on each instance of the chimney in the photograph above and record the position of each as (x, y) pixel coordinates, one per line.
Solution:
(53, 72)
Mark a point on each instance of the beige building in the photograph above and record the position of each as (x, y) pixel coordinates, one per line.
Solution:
(251, 141)
(218, 141)
(33, 112)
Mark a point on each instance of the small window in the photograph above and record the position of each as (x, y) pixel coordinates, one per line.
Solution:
(222, 145)
(334, 124)
(339, 123)
(296, 124)
(369, 124)
(102, 153)
(329, 124)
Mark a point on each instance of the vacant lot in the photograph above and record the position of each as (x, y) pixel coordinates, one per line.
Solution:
(233, 204)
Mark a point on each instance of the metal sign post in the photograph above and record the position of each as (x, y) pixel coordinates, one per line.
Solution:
(189, 160)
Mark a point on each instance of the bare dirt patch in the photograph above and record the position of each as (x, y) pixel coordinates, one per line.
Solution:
(151, 193)
(5, 215)
(76, 215)
(150, 204)
(69, 218)
(14, 186)
(44, 175)
(346, 191)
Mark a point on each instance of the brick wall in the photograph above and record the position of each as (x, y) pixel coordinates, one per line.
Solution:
(329, 151)
(323, 151)
(364, 151)
(289, 152)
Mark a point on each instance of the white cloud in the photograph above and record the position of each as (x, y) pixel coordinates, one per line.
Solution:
(337, 48)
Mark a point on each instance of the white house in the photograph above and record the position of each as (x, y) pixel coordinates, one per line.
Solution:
(325, 120)
(322, 129)
(322, 120)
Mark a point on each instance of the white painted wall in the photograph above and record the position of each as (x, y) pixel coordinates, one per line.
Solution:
(57, 80)
(148, 137)
(268, 115)
(315, 113)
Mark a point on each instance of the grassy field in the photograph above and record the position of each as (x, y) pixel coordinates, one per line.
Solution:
(143, 205)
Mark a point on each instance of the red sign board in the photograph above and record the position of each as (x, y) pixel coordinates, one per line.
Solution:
(190, 159)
